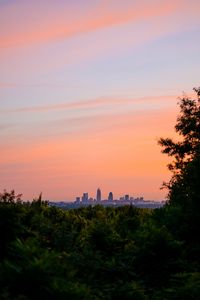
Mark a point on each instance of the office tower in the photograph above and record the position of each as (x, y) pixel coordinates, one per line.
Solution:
(110, 196)
(126, 198)
(98, 195)
(85, 197)
(78, 199)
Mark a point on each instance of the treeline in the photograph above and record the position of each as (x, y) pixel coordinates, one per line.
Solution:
(120, 253)
(96, 252)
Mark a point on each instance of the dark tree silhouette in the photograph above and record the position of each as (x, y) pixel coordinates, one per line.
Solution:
(185, 152)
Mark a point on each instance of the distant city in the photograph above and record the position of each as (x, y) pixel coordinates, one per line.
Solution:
(85, 200)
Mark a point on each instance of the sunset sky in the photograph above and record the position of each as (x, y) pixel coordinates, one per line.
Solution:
(86, 89)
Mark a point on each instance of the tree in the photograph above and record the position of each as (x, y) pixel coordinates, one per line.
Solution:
(10, 197)
(186, 152)
(11, 212)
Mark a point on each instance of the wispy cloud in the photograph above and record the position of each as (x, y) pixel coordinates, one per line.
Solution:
(93, 103)
(9, 85)
(6, 125)
(41, 27)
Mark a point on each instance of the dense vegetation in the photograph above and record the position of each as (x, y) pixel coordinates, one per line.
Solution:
(110, 253)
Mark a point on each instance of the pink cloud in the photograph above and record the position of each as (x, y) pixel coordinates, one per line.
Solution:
(23, 24)
(95, 103)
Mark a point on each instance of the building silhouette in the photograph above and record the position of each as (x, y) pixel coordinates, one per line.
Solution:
(126, 197)
(85, 198)
(78, 200)
(98, 195)
(110, 196)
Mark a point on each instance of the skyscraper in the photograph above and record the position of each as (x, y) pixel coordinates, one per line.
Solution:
(126, 197)
(98, 195)
(110, 196)
(85, 197)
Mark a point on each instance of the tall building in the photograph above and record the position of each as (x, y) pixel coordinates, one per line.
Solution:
(98, 195)
(85, 197)
(110, 196)
(78, 200)
(126, 197)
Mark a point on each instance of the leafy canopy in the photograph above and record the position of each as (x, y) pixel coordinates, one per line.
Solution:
(184, 184)
(188, 127)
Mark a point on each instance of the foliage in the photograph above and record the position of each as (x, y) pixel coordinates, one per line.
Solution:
(188, 127)
(91, 253)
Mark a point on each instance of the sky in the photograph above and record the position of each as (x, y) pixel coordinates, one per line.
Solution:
(87, 87)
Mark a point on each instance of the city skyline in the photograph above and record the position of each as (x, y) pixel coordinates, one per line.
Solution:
(110, 197)
(86, 90)
(109, 201)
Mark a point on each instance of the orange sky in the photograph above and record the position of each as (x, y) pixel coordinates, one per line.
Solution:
(87, 88)
(117, 152)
